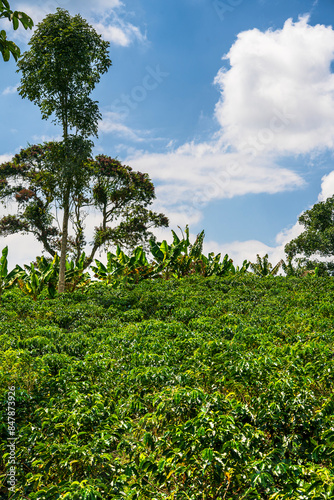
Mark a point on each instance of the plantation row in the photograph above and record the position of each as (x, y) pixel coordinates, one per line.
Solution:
(177, 260)
(199, 388)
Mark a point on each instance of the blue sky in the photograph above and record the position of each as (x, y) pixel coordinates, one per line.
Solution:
(227, 104)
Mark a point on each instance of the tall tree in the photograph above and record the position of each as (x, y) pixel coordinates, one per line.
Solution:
(7, 47)
(65, 62)
(42, 178)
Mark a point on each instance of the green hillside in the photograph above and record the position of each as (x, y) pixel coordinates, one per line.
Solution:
(199, 388)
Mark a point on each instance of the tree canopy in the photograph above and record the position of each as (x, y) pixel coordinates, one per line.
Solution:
(40, 176)
(65, 62)
(318, 236)
(7, 47)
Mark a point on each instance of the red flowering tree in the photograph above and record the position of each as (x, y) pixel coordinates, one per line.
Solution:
(120, 195)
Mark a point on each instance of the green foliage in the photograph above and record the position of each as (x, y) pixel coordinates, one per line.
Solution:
(182, 258)
(317, 239)
(62, 67)
(7, 279)
(122, 269)
(190, 388)
(7, 47)
(301, 267)
(177, 260)
(44, 275)
(75, 275)
(262, 266)
(43, 177)
(65, 62)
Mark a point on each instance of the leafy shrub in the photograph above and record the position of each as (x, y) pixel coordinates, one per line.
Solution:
(184, 388)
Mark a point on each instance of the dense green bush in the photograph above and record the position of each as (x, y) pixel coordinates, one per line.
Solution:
(199, 388)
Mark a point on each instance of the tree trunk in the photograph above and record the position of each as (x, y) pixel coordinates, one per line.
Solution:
(64, 236)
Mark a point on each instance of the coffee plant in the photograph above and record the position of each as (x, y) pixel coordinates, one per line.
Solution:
(197, 388)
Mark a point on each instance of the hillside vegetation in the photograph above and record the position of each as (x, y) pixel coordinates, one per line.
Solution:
(199, 388)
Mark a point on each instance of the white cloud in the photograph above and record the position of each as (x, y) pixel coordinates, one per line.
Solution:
(39, 139)
(278, 94)
(327, 186)
(112, 123)
(277, 98)
(105, 15)
(5, 157)
(10, 90)
(21, 249)
(241, 250)
(196, 174)
(119, 32)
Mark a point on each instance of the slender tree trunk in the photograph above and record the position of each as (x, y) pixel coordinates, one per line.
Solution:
(64, 236)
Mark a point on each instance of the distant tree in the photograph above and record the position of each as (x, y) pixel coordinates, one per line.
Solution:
(262, 266)
(42, 177)
(301, 267)
(65, 62)
(318, 236)
(7, 47)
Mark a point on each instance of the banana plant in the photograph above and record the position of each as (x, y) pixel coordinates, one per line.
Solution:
(35, 278)
(31, 283)
(104, 273)
(178, 258)
(290, 269)
(75, 275)
(166, 255)
(262, 267)
(213, 266)
(241, 270)
(7, 279)
(192, 259)
(124, 269)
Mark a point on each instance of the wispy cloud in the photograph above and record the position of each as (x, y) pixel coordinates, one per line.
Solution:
(39, 139)
(120, 32)
(113, 123)
(10, 90)
(193, 175)
(107, 17)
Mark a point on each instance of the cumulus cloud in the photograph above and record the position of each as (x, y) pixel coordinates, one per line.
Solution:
(277, 98)
(5, 157)
(278, 94)
(327, 186)
(21, 249)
